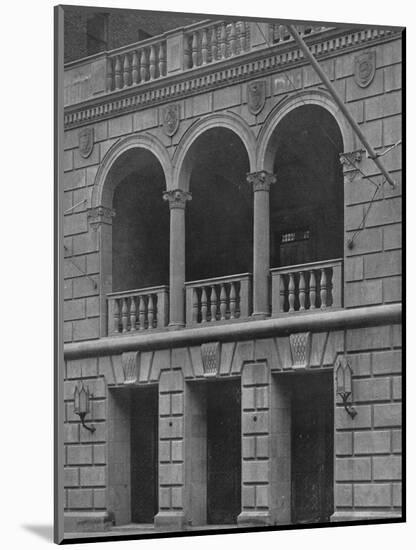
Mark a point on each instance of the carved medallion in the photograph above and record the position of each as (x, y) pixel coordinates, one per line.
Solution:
(256, 96)
(170, 117)
(365, 68)
(86, 142)
(300, 345)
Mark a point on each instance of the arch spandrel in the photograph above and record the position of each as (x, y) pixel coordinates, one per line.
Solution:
(104, 185)
(264, 154)
(182, 160)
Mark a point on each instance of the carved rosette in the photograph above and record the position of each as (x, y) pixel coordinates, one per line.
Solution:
(210, 354)
(130, 364)
(261, 181)
(100, 215)
(300, 346)
(177, 198)
(349, 162)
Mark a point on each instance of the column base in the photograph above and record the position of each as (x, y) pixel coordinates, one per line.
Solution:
(84, 522)
(176, 326)
(260, 315)
(254, 519)
(170, 521)
(353, 515)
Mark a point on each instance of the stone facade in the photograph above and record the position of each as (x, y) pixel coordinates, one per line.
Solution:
(367, 448)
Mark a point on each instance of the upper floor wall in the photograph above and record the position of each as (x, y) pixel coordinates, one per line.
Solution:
(166, 115)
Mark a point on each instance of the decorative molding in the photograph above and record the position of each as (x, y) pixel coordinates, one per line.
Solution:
(365, 68)
(100, 215)
(244, 68)
(86, 141)
(177, 198)
(210, 353)
(256, 96)
(261, 181)
(348, 162)
(300, 347)
(130, 364)
(171, 119)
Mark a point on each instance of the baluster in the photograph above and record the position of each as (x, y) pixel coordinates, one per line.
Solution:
(133, 313)
(194, 49)
(195, 306)
(162, 59)
(135, 68)
(150, 312)
(186, 53)
(323, 288)
(152, 66)
(233, 300)
(282, 293)
(143, 65)
(223, 302)
(110, 74)
(291, 289)
(204, 47)
(233, 42)
(204, 305)
(142, 313)
(117, 74)
(124, 315)
(312, 290)
(126, 70)
(213, 304)
(301, 291)
(116, 317)
(214, 48)
(242, 36)
(222, 41)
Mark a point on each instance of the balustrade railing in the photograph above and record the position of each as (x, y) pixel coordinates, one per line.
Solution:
(137, 310)
(141, 63)
(307, 287)
(279, 33)
(214, 42)
(218, 299)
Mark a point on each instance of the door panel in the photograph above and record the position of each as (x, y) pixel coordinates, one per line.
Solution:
(223, 451)
(144, 455)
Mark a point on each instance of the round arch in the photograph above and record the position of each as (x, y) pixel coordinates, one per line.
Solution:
(264, 154)
(103, 189)
(182, 163)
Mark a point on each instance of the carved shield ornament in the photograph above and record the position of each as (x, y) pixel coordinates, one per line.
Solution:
(256, 96)
(86, 141)
(170, 117)
(365, 68)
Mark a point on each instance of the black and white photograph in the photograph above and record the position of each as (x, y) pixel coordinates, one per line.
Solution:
(229, 201)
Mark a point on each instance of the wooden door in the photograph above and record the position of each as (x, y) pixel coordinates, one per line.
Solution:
(312, 448)
(144, 455)
(223, 451)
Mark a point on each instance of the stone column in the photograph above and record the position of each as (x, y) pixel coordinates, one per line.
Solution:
(261, 182)
(177, 201)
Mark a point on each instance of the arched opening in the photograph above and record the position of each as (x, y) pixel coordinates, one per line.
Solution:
(306, 203)
(219, 217)
(140, 230)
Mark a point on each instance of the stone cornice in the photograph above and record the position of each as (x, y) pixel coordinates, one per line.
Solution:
(215, 76)
(313, 322)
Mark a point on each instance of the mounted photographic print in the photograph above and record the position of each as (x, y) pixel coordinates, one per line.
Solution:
(228, 213)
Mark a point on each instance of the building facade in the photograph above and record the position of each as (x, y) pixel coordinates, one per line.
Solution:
(232, 279)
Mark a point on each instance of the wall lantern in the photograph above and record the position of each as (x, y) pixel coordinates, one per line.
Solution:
(82, 405)
(343, 375)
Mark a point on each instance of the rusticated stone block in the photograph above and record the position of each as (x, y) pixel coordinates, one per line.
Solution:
(164, 498)
(249, 446)
(120, 125)
(387, 467)
(71, 477)
(170, 427)
(177, 451)
(255, 422)
(354, 268)
(353, 469)
(227, 97)
(343, 443)
(99, 454)
(343, 494)
(99, 496)
(177, 403)
(85, 367)
(397, 387)
(145, 119)
(368, 338)
(397, 495)
(74, 179)
(262, 446)
(164, 451)
(92, 476)
(364, 293)
(396, 441)
(392, 130)
(372, 494)
(383, 264)
(343, 420)
(171, 474)
(389, 414)
(360, 364)
(387, 362)
(80, 498)
(177, 497)
(383, 105)
(71, 433)
(248, 398)
(368, 240)
(255, 471)
(255, 373)
(372, 442)
(392, 289)
(262, 496)
(79, 454)
(385, 212)
(74, 309)
(373, 389)
(248, 496)
(393, 78)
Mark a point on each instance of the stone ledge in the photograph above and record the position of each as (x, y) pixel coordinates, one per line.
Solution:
(354, 515)
(254, 519)
(170, 521)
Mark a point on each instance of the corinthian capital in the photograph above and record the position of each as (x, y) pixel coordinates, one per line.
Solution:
(177, 198)
(261, 181)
